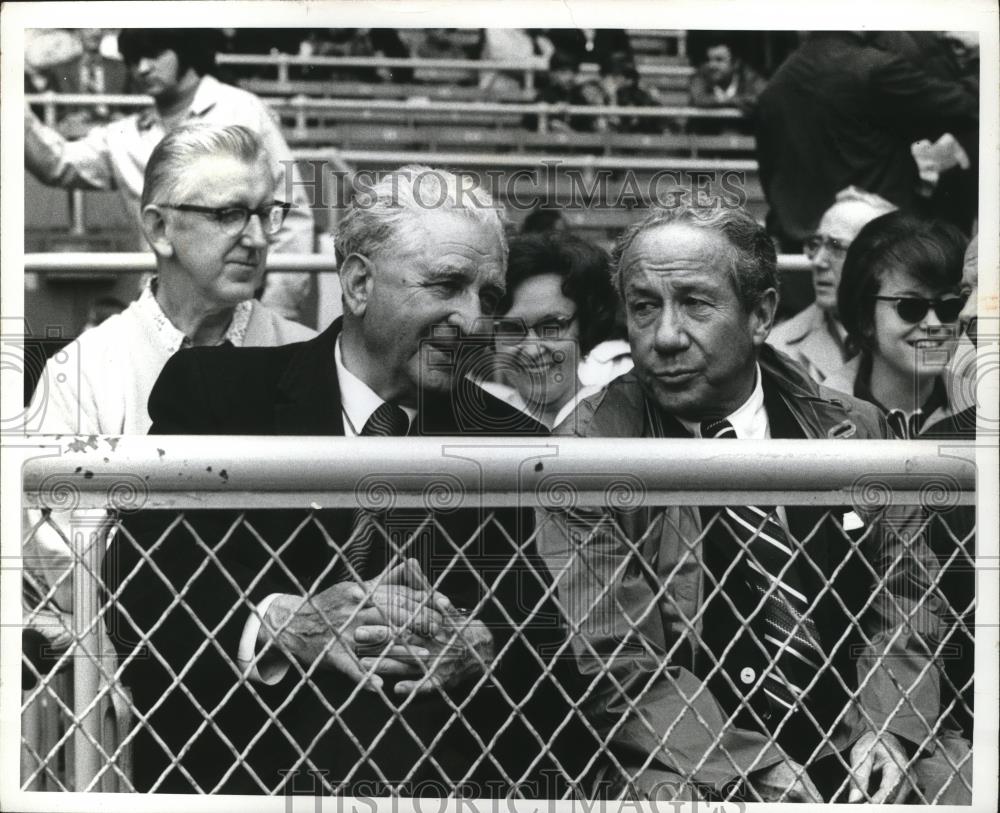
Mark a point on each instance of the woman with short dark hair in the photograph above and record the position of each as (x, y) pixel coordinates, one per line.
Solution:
(899, 300)
(559, 338)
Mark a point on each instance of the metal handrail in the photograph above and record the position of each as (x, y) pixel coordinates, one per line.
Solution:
(139, 262)
(533, 160)
(416, 105)
(182, 472)
(533, 64)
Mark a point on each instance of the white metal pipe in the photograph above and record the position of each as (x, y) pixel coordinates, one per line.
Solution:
(505, 160)
(87, 732)
(180, 472)
(296, 103)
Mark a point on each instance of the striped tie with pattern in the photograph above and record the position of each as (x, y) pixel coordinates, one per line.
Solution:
(788, 636)
(386, 421)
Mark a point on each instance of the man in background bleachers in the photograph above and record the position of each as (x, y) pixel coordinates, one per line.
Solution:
(209, 214)
(175, 67)
(814, 337)
(725, 80)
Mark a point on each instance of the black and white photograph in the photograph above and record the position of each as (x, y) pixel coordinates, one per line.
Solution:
(411, 417)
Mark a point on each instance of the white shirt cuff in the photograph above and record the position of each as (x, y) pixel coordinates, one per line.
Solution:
(268, 668)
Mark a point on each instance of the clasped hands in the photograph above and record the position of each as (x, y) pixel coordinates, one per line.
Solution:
(877, 775)
(393, 626)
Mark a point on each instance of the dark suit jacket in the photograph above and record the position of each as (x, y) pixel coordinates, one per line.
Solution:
(840, 111)
(357, 740)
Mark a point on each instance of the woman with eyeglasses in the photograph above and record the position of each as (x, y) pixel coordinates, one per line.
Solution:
(899, 300)
(558, 339)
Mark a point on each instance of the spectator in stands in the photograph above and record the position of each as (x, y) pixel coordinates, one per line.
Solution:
(906, 288)
(208, 264)
(900, 297)
(377, 625)
(620, 81)
(842, 112)
(815, 337)
(518, 46)
(699, 286)
(175, 67)
(725, 80)
(948, 167)
(82, 69)
(557, 342)
(563, 86)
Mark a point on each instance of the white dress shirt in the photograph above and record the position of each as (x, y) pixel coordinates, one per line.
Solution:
(749, 420)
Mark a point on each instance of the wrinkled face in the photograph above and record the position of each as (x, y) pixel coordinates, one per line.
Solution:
(839, 226)
(693, 343)
(719, 64)
(429, 288)
(221, 270)
(542, 365)
(916, 350)
(157, 75)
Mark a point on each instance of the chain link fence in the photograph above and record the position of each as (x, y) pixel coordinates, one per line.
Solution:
(603, 636)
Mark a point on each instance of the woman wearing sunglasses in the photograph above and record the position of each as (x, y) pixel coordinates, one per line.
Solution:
(899, 300)
(557, 340)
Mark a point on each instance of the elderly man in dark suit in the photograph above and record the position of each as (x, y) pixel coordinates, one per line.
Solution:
(755, 651)
(397, 616)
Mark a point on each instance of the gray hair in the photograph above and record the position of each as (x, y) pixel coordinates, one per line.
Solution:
(180, 147)
(378, 213)
(755, 263)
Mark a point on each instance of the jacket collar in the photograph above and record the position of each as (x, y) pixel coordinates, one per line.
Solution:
(818, 416)
(308, 401)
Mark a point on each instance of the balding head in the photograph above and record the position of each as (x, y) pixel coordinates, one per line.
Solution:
(838, 227)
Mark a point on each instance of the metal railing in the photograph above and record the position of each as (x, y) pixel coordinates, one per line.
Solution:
(251, 479)
(528, 68)
(302, 105)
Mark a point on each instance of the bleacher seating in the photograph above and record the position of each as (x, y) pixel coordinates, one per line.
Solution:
(378, 125)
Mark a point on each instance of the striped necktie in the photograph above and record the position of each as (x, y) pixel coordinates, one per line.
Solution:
(789, 636)
(386, 421)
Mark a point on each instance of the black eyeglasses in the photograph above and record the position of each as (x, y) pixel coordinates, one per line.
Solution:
(815, 242)
(234, 219)
(913, 309)
(515, 331)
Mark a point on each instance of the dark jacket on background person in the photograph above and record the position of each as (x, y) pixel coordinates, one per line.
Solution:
(689, 703)
(840, 111)
(358, 741)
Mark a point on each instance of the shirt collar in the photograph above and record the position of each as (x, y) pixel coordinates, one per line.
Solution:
(903, 425)
(173, 339)
(205, 96)
(749, 420)
(357, 400)
(204, 100)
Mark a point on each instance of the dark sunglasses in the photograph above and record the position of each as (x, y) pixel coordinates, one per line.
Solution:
(913, 309)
